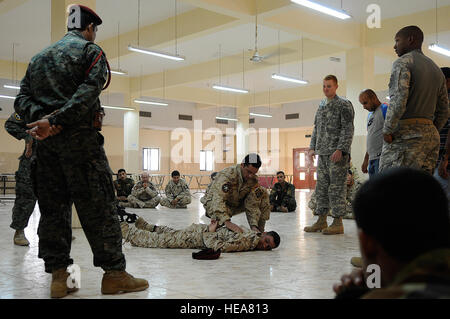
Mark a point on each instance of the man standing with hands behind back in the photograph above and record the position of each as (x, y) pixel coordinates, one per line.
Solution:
(59, 97)
(331, 140)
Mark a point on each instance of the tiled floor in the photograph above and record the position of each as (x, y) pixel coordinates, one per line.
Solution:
(304, 266)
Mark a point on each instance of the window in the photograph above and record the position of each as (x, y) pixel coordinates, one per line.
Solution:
(206, 161)
(151, 159)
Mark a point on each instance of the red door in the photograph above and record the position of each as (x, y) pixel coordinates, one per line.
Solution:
(305, 173)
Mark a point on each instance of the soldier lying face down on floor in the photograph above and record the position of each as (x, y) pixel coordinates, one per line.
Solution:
(198, 236)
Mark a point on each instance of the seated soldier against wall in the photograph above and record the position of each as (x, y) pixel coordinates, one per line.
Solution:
(177, 192)
(282, 196)
(144, 194)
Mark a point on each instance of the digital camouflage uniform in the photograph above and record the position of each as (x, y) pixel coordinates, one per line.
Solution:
(123, 189)
(333, 130)
(415, 94)
(25, 199)
(178, 191)
(72, 166)
(229, 195)
(144, 197)
(196, 236)
(283, 196)
(427, 277)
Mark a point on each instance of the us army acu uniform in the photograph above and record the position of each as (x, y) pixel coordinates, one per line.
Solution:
(71, 166)
(196, 236)
(283, 195)
(229, 195)
(123, 189)
(144, 197)
(417, 112)
(333, 130)
(178, 191)
(25, 199)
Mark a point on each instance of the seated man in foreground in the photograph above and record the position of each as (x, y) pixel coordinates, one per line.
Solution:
(123, 186)
(197, 236)
(144, 194)
(407, 234)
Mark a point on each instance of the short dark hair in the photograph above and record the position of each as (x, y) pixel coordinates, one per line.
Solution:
(213, 175)
(120, 171)
(369, 93)
(446, 72)
(412, 31)
(281, 172)
(276, 238)
(331, 78)
(406, 211)
(252, 159)
(175, 173)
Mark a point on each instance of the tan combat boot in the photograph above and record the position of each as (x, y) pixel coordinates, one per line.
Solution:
(336, 228)
(320, 225)
(356, 262)
(59, 287)
(20, 239)
(115, 281)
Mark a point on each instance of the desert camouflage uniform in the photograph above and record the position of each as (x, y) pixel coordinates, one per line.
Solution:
(144, 197)
(196, 236)
(333, 130)
(283, 196)
(229, 195)
(427, 277)
(25, 199)
(178, 191)
(414, 145)
(72, 166)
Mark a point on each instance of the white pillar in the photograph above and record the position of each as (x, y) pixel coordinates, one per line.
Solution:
(131, 153)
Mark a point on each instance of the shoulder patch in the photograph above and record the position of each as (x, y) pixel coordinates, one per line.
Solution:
(17, 117)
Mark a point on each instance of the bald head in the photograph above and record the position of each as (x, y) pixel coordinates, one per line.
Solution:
(408, 39)
(369, 100)
(145, 177)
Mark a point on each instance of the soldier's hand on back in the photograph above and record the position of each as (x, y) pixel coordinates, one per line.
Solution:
(29, 149)
(39, 130)
(336, 157)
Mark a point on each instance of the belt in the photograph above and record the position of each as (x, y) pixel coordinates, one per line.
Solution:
(416, 121)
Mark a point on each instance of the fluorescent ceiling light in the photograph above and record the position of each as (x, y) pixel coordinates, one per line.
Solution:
(118, 108)
(7, 97)
(261, 115)
(229, 89)
(288, 79)
(11, 86)
(436, 48)
(226, 119)
(150, 103)
(156, 53)
(321, 8)
(119, 72)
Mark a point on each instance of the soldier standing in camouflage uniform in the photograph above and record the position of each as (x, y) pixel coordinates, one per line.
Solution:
(235, 190)
(282, 196)
(418, 108)
(59, 97)
(25, 199)
(331, 140)
(123, 187)
(198, 236)
(144, 194)
(177, 192)
(413, 252)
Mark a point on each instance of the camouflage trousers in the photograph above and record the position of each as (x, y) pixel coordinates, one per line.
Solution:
(182, 203)
(414, 146)
(290, 204)
(312, 204)
(137, 203)
(166, 237)
(73, 168)
(25, 200)
(331, 186)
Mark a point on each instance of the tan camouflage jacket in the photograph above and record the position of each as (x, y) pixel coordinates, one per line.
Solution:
(144, 193)
(174, 191)
(228, 241)
(228, 193)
